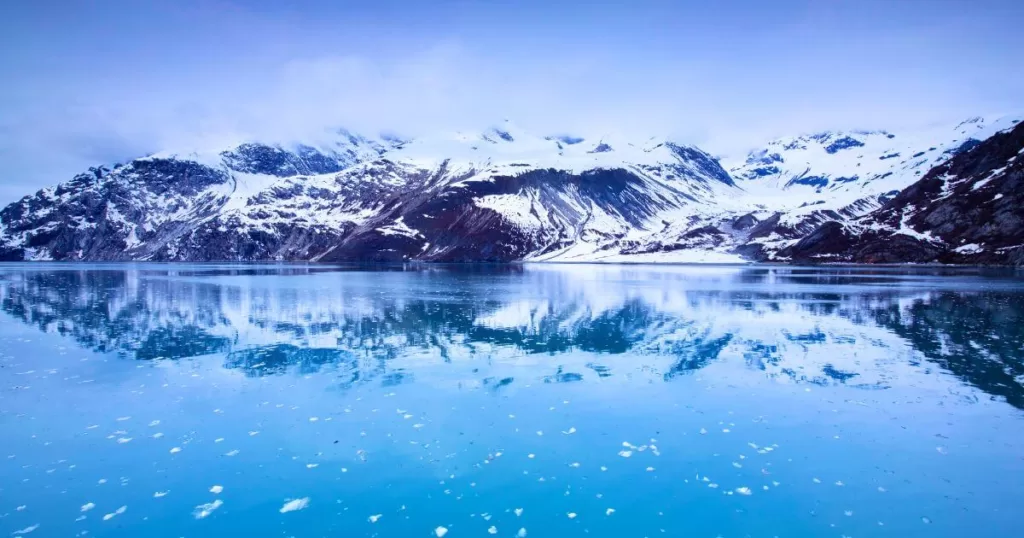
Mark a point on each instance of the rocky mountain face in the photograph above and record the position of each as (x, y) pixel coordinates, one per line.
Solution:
(507, 195)
(967, 210)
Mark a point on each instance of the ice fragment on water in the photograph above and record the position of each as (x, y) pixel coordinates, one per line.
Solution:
(204, 510)
(295, 504)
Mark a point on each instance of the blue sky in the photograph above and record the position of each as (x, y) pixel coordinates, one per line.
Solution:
(88, 82)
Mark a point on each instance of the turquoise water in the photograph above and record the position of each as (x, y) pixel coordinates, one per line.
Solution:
(619, 401)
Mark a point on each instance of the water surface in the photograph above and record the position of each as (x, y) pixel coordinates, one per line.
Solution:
(625, 401)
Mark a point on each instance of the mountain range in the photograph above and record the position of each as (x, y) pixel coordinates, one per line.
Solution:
(949, 195)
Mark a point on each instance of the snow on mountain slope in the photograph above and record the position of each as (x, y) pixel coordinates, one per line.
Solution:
(505, 194)
(501, 194)
(802, 182)
(143, 209)
(970, 209)
(838, 168)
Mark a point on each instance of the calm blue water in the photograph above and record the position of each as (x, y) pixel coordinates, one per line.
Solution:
(548, 401)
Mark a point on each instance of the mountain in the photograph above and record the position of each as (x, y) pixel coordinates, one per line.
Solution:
(502, 194)
(969, 210)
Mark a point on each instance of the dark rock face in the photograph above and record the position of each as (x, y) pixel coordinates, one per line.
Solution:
(845, 142)
(276, 161)
(968, 210)
(449, 226)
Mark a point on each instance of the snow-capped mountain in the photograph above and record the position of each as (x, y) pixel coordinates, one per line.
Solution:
(808, 180)
(502, 194)
(968, 209)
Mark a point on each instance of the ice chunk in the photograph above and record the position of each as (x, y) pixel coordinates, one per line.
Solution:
(295, 504)
(204, 510)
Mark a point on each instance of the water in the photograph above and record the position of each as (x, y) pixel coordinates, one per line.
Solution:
(625, 401)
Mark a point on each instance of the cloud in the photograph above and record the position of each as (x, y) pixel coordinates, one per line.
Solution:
(235, 79)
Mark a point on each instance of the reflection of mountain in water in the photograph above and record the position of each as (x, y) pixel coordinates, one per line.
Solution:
(979, 337)
(832, 326)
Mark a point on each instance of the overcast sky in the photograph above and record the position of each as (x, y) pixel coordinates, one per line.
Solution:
(89, 82)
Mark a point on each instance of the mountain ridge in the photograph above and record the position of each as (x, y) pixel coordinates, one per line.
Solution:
(502, 194)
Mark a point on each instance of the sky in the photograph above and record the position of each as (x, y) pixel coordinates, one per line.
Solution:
(102, 81)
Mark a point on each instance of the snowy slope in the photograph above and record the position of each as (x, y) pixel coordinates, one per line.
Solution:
(500, 194)
(969, 209)
(838, 168)
(808, 180)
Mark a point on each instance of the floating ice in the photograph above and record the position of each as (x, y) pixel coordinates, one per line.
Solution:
(609, 511)
(374, 518)
(571, 515)
(117, 512)
(295, 504)
(175, 450)
(216, 489)
(204, 510)
(440, 532)
(26, 530)
(492, 530)
(521, 533)
(743, 490)
(625, 453)
(159, 494)
(518, 512)
(88, 506)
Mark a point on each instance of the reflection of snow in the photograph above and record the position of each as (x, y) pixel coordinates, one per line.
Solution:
(556, 323)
